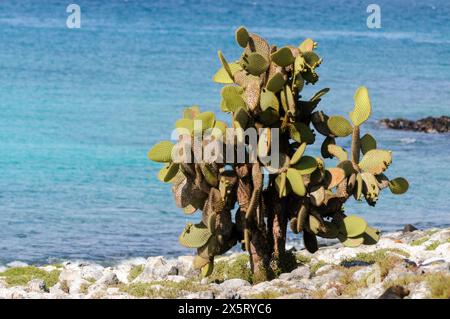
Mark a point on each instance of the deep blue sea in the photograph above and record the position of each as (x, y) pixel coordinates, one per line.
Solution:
(79, 108)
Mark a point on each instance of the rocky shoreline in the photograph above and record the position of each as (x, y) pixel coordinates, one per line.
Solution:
(409, 264)
(427, 125)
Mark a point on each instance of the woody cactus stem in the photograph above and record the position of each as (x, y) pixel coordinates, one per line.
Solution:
(356, 144)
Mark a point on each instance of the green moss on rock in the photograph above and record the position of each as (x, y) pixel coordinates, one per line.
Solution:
(135, 272)
(20, 276)
(229, 269)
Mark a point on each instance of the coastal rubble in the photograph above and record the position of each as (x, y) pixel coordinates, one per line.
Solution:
(408, 264)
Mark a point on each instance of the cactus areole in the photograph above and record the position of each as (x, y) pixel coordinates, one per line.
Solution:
(252, 200)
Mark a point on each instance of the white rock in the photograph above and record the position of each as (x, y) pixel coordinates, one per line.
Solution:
(108, 278)
(297, 274)
(420, 291)
(176, 278)
(36, 285)
(199, 295)
(234, 283)
(362, 273)
(323, 270)
(373, 292)
(185, 266)
(156, 268)
(73, 279)
(92, 271)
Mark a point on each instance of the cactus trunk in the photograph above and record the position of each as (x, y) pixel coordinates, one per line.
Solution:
(356, 144)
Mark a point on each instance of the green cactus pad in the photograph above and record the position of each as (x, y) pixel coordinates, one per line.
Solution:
(211, 223)
(310, 242)
(371, 236)
(242, 118)
(207, 269)
(161, 152)
(207, 120)
(191, 112)
(225, 65)
(337, 152)
(359, 186)
(242, 37)
(363, 108)
(306, 165)
(287, 100)
(296, 181)
(319, 94)
(199, 262)
(222, 76)
(232, 97)
(307, 45)
(220, 128)
(376, 161)
(269, 117)
(317, 195)
(298, 154)
(351, 242)
(255, 63)
(352, 226)
(280, 184)
(348, 167)
(324, 148)
(264, 143)
(310, 76)
(312, 59)
(189, 209)
(194, 236)
(268, 100)
(293, 225)
(276, 82)
(398, 185)
(314, 224)
(168, 173)
(368, 143)
(184, 126)
(320, 122)
(302, 217)
(299, 64)
(339, 126)
(331, 231)
(283, 57)
(301, 133)
(210, 176)
(370, 187)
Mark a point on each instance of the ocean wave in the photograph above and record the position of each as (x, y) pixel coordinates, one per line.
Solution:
(408, 140)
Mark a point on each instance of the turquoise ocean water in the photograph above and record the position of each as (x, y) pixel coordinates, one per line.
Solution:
(80, 108)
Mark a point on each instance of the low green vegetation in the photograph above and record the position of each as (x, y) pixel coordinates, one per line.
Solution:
(229, 269)
(19, 276)
(431, 232)
(386, 259)
(162, 289)
(302, 259)
(315, 267)
(419, 241)
(438, 283)
(85, 286)
(135, 272)
(433, 245)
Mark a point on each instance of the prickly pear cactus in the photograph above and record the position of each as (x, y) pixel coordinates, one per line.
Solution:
(262, 90)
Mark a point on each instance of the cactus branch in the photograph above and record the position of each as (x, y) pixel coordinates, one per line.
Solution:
(356, 144)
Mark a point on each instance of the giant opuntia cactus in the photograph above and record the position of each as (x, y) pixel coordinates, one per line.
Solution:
(262, 91)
